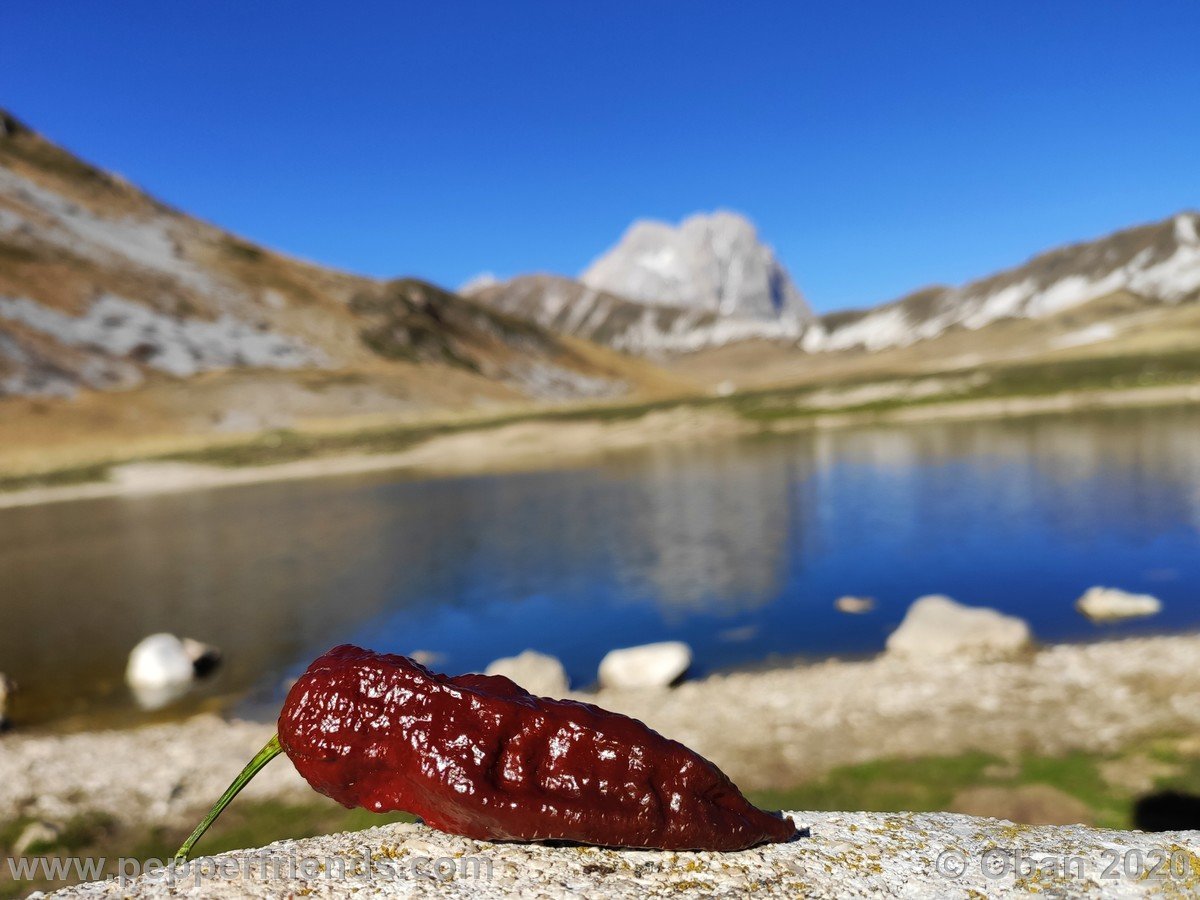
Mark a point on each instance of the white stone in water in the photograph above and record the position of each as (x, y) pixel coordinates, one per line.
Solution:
(1101, 604)
(648, 666)
(158, 660)
(936, 627)
(538, 673)
(854, 605)
(162, 667)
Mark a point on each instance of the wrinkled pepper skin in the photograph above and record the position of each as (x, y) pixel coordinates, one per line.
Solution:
(477, 755)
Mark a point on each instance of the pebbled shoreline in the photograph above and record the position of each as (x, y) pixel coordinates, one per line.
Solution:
(766, 729)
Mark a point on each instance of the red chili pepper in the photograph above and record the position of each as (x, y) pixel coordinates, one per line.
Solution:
(479, 756)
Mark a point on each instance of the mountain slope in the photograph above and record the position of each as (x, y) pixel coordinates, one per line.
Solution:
(664, 290)
(570, 307)
(104, 287)
(1157, 263)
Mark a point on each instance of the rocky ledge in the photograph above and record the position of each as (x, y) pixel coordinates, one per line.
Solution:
(840, 855)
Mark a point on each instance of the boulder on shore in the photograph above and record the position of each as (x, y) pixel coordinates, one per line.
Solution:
(648, 666)
(936, 627)
(1101, 604)
(538, 673)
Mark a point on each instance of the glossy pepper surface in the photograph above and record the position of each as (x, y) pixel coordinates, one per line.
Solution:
(479, 756)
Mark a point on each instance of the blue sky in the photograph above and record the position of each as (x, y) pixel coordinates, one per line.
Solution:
(879, 146)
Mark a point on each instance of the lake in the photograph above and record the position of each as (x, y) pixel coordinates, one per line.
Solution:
(738, 548)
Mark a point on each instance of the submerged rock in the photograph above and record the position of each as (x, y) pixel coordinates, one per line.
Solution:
(936, 627)
(541, 675)
(648, 666)
(1101, 604)
(162, 667)
(854, 606)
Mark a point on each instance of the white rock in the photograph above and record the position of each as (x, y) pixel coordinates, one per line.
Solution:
(158, 660)
(35, 833)
(648, 666)
(854, 605)
(840, 855)
(936, 627)
(541, 675)
(162, 667)
(1101, 604)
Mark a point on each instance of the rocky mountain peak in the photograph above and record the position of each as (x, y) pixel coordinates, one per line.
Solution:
(710, 262)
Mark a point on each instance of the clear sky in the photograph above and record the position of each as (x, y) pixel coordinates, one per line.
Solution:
(879, 146)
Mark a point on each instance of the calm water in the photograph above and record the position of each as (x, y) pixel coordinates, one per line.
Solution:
(737, 548)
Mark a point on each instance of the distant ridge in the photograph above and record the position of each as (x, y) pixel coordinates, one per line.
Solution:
(709, 283)
(1157, 263)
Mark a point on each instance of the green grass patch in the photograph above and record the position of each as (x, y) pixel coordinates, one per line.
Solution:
(888, 785)
(931, 784)
(1078, 774)
(56, 477)
(1000, 382)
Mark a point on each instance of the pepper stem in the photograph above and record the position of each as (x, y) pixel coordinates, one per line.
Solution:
(261, 758)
